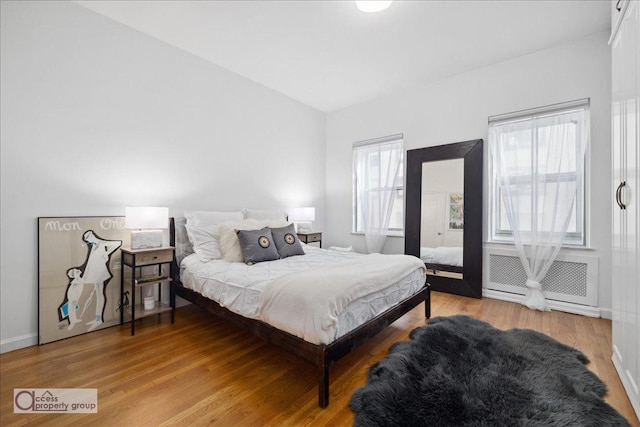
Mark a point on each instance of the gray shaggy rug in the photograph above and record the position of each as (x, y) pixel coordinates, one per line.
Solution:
(459, 371)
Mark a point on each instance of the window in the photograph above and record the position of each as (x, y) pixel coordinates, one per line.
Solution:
(543, 169)
(378, 183)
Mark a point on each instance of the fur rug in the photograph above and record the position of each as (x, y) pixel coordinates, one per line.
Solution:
(459, 371)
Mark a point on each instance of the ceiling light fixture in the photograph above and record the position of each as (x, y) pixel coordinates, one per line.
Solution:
(373, 6)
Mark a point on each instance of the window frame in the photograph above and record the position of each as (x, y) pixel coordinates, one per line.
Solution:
(574, 239)
(398, 189)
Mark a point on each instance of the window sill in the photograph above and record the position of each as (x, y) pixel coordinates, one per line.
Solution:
(392, 234)
(572, 247)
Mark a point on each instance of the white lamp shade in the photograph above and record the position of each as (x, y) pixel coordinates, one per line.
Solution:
(303, 214)
(373, 6)
(141, 218)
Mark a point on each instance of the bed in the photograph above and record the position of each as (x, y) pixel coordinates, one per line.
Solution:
(250, 306)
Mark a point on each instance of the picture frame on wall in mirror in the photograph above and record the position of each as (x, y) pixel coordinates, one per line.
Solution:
(456, 211)
(78, 274)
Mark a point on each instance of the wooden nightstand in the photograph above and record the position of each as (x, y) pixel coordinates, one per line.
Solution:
(136, 259)
(314, 236)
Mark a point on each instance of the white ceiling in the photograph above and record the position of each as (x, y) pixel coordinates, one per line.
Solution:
(329, 55)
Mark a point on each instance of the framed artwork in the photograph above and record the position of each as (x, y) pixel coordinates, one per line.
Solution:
(456, 211)
(78, 274)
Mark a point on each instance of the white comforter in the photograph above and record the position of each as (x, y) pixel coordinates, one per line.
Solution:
(238, 286)
(309, 303)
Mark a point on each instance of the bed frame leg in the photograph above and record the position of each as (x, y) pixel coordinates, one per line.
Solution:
(427, 304)
(323, 382)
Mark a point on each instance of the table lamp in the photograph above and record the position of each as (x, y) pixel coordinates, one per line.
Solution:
(303, 217)
(147, 223)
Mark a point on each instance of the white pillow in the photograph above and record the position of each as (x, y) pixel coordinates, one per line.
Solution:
(205, 241)
(200, 218)
(184, 247)
(264, 214)
(229, 243)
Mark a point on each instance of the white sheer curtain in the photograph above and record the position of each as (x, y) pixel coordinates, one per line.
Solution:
(538, 167)
(376, 167)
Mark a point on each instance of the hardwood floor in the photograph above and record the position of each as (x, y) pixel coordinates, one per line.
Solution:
(201, 371)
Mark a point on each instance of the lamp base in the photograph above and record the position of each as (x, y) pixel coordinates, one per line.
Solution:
(303, 227)
(146, 239)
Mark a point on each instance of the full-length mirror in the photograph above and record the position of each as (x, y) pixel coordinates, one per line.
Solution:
(443, 220)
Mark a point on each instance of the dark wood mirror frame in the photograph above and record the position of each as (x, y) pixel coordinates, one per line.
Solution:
(471, 151)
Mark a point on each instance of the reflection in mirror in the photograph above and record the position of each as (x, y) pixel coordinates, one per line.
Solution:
(442, 217)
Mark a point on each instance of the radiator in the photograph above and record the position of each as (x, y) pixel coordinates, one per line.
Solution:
(572, 278)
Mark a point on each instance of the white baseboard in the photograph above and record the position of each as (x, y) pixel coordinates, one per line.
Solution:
(626, 383)
(17, 343)
(567, 307)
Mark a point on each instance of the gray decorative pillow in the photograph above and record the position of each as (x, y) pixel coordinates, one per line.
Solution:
(287, 241)
(257, 245)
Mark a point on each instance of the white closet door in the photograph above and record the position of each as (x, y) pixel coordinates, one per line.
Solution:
(636, 24)
(618, 215)
(629, 196)
(626, 213)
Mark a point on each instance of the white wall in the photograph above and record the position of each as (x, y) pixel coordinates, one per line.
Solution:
(96, 117)
(457, 109)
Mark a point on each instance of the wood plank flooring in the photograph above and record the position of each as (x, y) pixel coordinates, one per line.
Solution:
(201, 371)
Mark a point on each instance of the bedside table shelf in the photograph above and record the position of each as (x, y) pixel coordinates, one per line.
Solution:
(140, 312)
(136, 260)
(148, 280)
